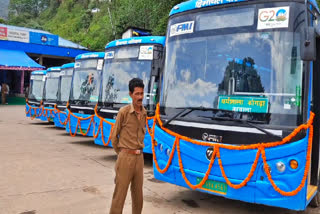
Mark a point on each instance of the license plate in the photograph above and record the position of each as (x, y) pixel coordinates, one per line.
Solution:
(214, 186)
(83, 131)
(51, 120)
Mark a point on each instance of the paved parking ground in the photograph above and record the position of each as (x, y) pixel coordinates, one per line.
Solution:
(44, 170)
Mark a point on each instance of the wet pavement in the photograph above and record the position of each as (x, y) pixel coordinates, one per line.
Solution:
(44, 170)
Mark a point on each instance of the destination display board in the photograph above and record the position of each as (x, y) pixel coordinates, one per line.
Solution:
(243, 104)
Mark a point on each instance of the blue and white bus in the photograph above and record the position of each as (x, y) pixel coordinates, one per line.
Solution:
(50, 93)
(84, 93)
(64, 86)
(140, 57)
(240, 80)
(34, 101)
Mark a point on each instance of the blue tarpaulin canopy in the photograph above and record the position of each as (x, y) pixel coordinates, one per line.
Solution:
(17, 60)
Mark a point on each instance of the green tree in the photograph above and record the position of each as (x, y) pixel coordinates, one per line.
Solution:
(2, 21)
(74, 20)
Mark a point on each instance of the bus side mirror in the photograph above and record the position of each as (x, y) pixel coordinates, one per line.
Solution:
(308, 44)
(317, 28)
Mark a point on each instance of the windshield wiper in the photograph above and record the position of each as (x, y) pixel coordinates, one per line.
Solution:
(111, 104)
(247, 122)
(77, 102)
(191, 109)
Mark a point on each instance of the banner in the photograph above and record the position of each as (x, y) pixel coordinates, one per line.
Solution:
(18, 35)
(28, 36)
(44, 39)
(3, 33)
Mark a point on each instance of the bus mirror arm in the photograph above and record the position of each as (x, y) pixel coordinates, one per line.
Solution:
(151, 113)
(308, 44)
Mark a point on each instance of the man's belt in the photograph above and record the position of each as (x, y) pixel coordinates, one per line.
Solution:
(132, 151)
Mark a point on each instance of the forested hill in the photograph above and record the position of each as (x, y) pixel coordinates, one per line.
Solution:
(89, 22)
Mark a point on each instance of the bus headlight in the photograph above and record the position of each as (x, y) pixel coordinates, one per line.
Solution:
(168, 152)
(281, 167)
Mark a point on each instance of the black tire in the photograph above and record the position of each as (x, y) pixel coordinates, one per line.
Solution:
(315, 202)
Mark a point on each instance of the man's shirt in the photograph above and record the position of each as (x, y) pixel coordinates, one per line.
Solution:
(128, 131)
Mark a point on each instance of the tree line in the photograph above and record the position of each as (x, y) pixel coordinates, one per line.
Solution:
(91, 23)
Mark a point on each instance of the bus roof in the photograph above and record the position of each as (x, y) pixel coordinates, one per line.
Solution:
(69, 65)
(40, 72)
(196, 4)
(138, 40)
(92, 55)
(54, 69)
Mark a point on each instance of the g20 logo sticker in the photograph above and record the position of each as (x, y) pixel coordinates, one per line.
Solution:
(146, 53)
(277, 17)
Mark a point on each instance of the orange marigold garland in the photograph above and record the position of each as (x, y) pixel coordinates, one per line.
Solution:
(100, 129)
(32, 117)
(259, 146)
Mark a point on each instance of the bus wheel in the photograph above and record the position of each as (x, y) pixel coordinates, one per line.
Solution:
(315, 202)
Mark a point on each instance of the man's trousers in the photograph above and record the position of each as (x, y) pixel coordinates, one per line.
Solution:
(129, 170)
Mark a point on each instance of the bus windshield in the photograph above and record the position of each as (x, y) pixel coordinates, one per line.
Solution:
(51, 86)
(119, 71)
(86, 81)
(242, 66)
(65, 84)
(36, 87)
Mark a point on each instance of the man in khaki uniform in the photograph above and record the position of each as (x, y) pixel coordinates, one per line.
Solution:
(127, 140)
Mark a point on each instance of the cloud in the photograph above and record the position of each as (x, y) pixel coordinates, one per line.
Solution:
(197, 93)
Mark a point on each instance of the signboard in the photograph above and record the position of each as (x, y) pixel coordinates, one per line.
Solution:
(208, 3)
(243, 104)
(3, 33)
(53, 75)
(94, 98)
(100, 64)
(44, 39)
(11, 34)
(18, 35)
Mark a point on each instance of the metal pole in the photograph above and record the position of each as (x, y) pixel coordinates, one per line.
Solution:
(22, 82)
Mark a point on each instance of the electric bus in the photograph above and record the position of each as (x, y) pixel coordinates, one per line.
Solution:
(84, 93)
(239, 110)
(35, 93)
(64, 86)
(125, 59)
(50, 93)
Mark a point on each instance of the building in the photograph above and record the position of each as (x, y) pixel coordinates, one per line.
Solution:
(23, 50)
